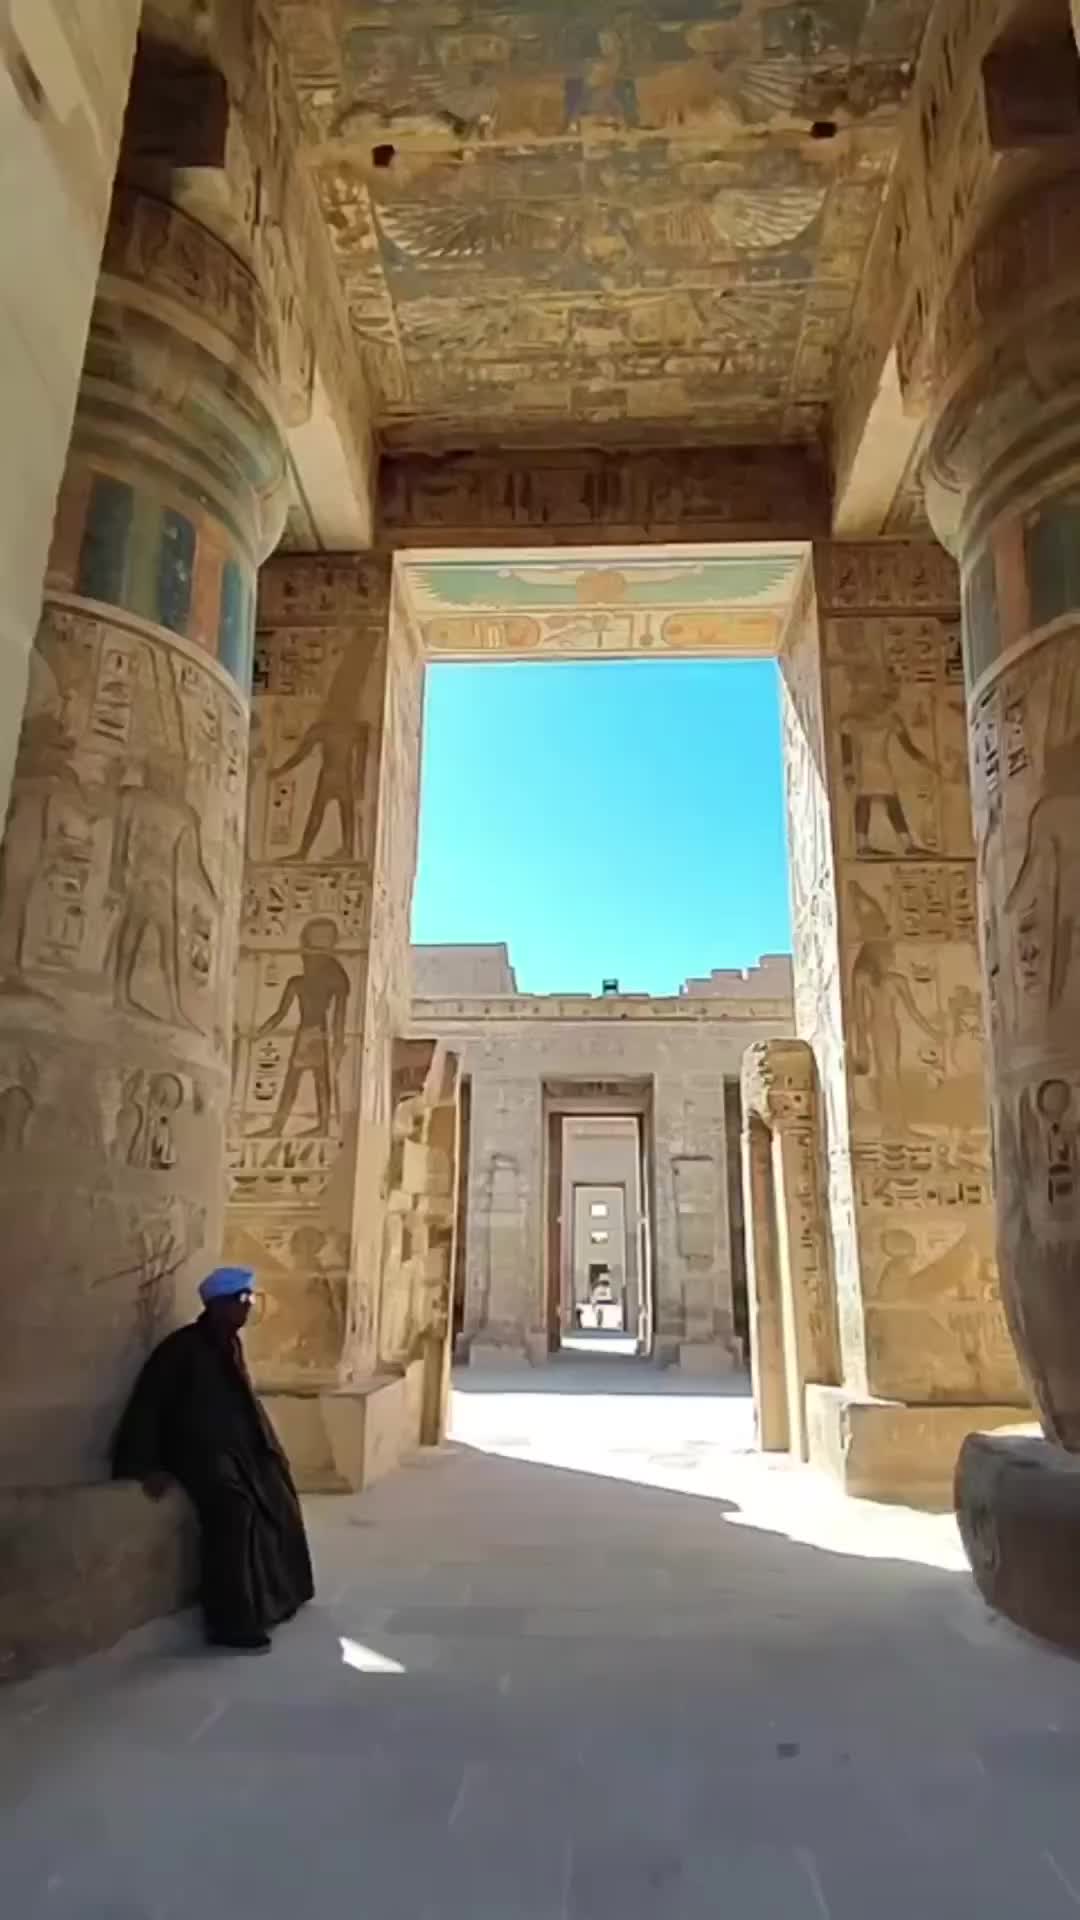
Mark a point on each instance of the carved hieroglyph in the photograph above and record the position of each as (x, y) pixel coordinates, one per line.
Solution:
(888, 989)
(580, 603)
(568, 497)
(1005, 484)
(323, 976)
(122, 858)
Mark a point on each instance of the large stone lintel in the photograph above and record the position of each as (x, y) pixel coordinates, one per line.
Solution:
(1018, 1504)
(341, 1440)
(82, 1566)
(594, 498)
(884, 1450)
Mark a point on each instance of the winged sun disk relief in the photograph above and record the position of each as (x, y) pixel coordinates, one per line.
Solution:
(744, 222)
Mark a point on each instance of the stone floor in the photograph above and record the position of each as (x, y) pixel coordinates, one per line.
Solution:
(597, 1661)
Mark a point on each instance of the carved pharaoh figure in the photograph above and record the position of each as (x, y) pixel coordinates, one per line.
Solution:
(320, 993)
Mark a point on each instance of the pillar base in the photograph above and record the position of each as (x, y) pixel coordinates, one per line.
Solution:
(84, 1565)
(1018, 1505)
(710, 1357)
(498, 1356)
(343, 1439)
(885, 1450)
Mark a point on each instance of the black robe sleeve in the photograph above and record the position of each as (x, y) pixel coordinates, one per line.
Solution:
(141, 1442)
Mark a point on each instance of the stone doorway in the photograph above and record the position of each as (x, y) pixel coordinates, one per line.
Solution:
(602, 1257)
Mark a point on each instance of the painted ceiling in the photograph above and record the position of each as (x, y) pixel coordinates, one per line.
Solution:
(641, 217)
(582, 603)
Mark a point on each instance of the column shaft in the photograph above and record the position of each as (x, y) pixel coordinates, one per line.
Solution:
(1005, 490)
(122, 857)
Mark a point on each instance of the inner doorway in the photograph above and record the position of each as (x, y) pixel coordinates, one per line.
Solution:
(599, 1221)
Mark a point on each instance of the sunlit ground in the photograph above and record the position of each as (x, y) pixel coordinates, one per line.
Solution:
(641, 1428)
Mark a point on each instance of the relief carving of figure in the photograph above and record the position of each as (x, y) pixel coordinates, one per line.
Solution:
(157, 849)
(872, 732)
(341, 739)
(880, 992)
(320, 992)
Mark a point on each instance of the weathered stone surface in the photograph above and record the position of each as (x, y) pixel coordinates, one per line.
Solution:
(615, 226)
(324, 967)
(884, 1450)
(794, 1336)
(566, 498)
(421, 1223)
(1004, 474)
(122, 855)
(888, 985)
(1018, 1504)
(340, 1440)
(81, 1566)
(945, 171)
(663, 1060)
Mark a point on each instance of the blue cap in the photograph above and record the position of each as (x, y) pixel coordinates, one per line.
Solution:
(225, 1282)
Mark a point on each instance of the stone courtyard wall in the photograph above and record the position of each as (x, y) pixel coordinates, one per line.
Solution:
(674, 1054)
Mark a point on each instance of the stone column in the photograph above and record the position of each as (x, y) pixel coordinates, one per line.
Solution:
(122, 858)
(887, 993)
(1004, 490)
(323, 989)
(764, 1299)
(793, 1304)
(421, 1217)
(505, 1299)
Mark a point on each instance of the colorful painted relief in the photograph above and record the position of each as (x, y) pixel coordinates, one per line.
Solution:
(180, 569)
(613, 160)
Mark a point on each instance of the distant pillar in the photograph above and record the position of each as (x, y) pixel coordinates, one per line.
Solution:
(793, 1307)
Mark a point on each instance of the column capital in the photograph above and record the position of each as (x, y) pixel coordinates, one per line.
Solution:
(779, 1083)
(994, 104)
(1006, 360)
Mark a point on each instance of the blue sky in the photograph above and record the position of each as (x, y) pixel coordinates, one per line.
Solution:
(615, 818)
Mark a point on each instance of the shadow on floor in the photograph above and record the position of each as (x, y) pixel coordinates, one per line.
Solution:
(532, 1693)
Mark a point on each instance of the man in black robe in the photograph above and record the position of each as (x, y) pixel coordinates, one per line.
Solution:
(194, 1417)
